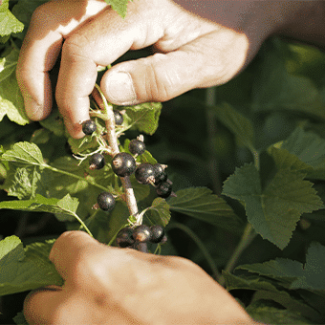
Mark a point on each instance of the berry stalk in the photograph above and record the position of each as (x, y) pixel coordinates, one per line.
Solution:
(107, 109)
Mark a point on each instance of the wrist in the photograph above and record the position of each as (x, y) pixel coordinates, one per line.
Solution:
(305, 21)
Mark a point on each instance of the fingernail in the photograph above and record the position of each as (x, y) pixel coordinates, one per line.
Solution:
(120, 89)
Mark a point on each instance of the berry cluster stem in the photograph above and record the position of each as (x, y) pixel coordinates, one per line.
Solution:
(113, 143)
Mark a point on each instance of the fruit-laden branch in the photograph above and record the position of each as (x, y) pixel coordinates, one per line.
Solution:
(129, 196)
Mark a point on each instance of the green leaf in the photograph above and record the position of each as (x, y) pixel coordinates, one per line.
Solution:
(25, 269)
(65, 209)
(275, 88)
(314, 269)
(120, 6)
(237, 123)
(275, 210)
(285, 160)
(144, 117)
(140, 191)
(269, 291)
(19, 319)
(159, 212)
(11, 100)
(298, 276)
(280, 269)
(25, 182)
(24, 153)
(267, 314)
(8, 65)
(310, 149)
(201, 204)
(23, 11)
(8, 22)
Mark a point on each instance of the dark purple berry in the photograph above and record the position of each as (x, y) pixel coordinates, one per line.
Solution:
(144, 173)
(106, 201)
(141, 233)
(137, 147)
(141, 247)
(159, 168)
(164, 189)
(124, 237)
(89, 127)
(123, 164)
(161, 178)
(157, 233)
(118, 118)
(97, 161)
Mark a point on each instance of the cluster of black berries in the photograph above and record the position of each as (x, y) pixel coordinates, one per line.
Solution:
(140, 236)
(155, 175)
(124, 164)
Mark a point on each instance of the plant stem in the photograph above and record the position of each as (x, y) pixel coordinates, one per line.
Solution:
(247, 237)
(129, 196)
(256, 158)
(201, 246)
(113, 143)
(83, 225)
(212, 131)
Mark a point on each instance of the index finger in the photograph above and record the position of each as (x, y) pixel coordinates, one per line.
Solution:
(50, 24)
(71, 249)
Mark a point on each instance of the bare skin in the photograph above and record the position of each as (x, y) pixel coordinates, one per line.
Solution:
(191, 51)
(199, 46)
(107, 285)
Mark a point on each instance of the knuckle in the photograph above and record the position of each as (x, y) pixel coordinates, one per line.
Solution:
(160, 85)
(75, 48)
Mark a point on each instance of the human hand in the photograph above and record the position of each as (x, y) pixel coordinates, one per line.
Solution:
(194, 52)
(191, 51)
(107, 285)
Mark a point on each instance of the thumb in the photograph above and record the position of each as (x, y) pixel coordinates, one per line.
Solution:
(204, 62)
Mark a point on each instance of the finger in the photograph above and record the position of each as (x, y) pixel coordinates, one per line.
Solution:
(50, 24)
(71, 251)
(55, 305)
(39, 305)
(105, 39)
(208, 61)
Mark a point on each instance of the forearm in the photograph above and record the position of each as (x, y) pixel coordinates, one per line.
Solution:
(300, 20)
(306, 22)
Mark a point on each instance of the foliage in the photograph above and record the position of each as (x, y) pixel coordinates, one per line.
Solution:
(248, 169)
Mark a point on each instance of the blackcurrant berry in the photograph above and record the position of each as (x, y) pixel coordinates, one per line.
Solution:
(106, 201)
(141, 233)
(157, 233)
(141, 247)
(89, 127)
(124, 237)
(97, 161)
(123, 164)
(164, 189)
(137, 147)
(144, 173)
(159, 169)
(118, 118)
(161, 178)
